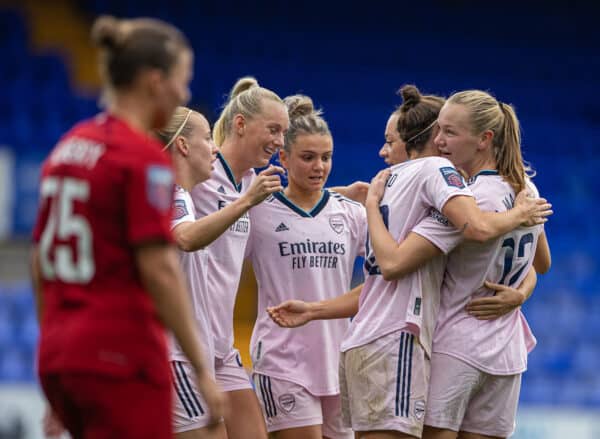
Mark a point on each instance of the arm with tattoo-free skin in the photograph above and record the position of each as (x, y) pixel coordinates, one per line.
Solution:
(192, 236)
(505, 299)
(394, 259)
(465, 215)
(294, 313)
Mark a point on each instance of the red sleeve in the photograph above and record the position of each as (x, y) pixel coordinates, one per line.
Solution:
(149, 195)
(42, 213)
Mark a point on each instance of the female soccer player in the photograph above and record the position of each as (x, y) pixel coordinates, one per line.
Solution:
(393, 150)
(188, 138)
(481, 341)
(303, 244)
(105, 274)
(384, 366)
(250, 129)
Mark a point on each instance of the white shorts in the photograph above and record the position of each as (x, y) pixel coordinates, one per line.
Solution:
(463, 398)
(230, 373)
(289, 405)
(384, 385)
(189, 407)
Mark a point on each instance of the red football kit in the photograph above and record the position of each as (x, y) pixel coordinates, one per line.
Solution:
(105, 189)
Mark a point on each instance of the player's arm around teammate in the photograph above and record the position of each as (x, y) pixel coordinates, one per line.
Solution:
(398, 259)
(504, 300)
(294, 313)
(477, 365)
(507, 298)
(191, 236)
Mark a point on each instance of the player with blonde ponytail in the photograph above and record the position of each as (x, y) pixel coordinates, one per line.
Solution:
(248, 132)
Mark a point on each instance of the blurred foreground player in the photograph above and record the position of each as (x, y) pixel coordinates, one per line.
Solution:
(105, 274)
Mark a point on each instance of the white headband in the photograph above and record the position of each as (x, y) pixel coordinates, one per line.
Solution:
(421, 132)
(178, 132)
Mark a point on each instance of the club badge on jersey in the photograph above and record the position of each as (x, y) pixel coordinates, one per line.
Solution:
(179, 209)
(452, 177)
(337, 223)
(159, 186)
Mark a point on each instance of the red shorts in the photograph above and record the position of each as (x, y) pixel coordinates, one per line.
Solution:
(98, 406)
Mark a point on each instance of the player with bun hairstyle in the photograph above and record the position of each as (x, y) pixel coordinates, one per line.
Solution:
(482, 339)
(303, 245)
(249, 130)
(105, 272)
(393, 150)
(392, 328)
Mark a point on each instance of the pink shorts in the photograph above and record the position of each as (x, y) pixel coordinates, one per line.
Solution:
(384, 385)
(189, 407)
(463, 398)
(289, 405)
(230, 373)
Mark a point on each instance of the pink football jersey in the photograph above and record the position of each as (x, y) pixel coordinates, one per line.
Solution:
(410, 303)
(307, 256)
(194, 266)
(226, 254)
(498, 346)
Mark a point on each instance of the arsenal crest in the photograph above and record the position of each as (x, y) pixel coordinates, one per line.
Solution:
(337, 224)
(287, 402)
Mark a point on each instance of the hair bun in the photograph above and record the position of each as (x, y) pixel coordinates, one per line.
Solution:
(241, 85)
(299, 106)
(411, 96)
(106, 32)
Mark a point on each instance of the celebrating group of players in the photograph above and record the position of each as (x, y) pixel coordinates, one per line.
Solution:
(145, 222)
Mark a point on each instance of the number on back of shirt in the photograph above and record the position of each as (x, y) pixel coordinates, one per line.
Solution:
(63, 225)
(370, 263)
(510, 258)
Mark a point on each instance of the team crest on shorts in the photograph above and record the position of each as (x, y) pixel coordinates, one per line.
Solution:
(419, 409)
(287, 402)
(337, 224)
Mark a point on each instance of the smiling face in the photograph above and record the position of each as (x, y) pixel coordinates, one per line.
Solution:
(455, 139)
(264, 133)
(308, 162)
(393, 150)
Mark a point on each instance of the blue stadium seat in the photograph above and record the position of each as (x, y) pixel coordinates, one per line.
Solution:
(6, 327)
(15, 365)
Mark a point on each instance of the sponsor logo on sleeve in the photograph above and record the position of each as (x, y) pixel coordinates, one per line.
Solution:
(439, 217)
(452, 177)
(159, 186)
(179, 209)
